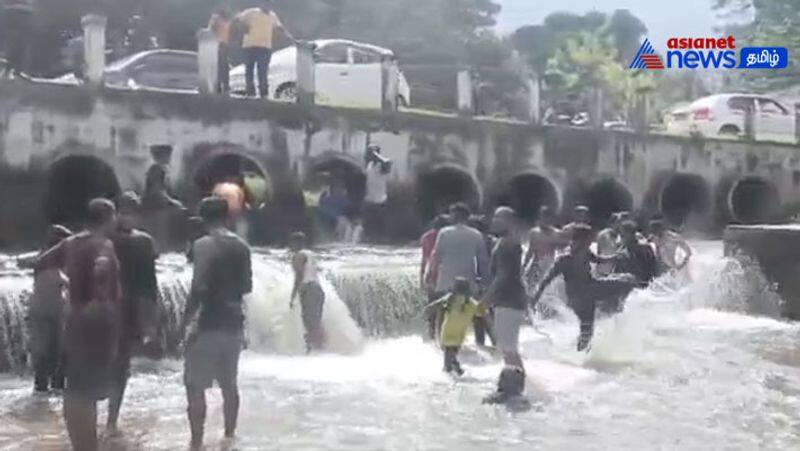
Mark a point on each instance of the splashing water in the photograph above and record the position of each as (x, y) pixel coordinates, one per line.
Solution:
(685, 366)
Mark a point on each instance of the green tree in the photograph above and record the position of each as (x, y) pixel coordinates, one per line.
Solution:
(764, 23)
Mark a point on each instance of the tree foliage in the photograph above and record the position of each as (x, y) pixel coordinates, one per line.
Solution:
(764, 23)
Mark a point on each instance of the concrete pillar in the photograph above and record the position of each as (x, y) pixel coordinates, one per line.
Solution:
(797, 122)
(306, 68)
(94, 48)
(597, 108)
(534, 100)
(774, 248)
(750, 122)
(207, 60)
(642, 111)
(465, 94)
(390, 75)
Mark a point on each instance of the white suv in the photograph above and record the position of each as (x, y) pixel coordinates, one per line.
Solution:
(724, 114)
(348, 74)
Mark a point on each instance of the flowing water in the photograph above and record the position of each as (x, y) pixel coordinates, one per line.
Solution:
(686, 366)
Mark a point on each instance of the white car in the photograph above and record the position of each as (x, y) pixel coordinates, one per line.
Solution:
(348, 74)
(724, 115)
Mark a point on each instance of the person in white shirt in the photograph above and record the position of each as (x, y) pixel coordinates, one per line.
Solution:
(377, 172)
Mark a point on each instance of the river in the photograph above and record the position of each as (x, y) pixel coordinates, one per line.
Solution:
(681, 368)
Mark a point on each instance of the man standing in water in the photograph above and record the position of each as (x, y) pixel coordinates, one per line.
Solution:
(608, 243)
(427, 273)
(45, 318)
(506, 294)
(308, 289)
(137, 264)
(92, 324)
(222, 276)
(543, 241)
(667, 244)
(460, 251)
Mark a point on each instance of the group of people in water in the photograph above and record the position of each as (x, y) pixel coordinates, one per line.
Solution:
(95, 297)
(462, 263)
(95, 301)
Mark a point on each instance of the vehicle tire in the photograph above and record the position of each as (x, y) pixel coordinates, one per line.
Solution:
(287, 91)
(729, 130)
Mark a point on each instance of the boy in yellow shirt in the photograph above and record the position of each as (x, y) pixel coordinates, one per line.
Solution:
(459, 310)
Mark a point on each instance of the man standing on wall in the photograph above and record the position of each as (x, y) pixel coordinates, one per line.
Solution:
(137, 264)
(220, 24)
(377, 171)
(92, 330)
(222, 276)
(18, 27)
(260, 24)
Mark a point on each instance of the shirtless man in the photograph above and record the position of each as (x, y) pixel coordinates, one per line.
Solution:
(583, 290)
(92, 327)
(543, 241)
(608, 243)
(581, 215)
(667, 244)
(308, 290)
(137, 263)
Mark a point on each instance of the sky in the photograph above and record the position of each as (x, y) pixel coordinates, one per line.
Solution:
(664, 18)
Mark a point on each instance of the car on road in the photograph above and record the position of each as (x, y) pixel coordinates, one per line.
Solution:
(163, 69)
(724, 115)
(347, 74)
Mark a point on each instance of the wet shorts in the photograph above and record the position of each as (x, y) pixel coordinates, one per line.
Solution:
(212, 356)
(507, 322)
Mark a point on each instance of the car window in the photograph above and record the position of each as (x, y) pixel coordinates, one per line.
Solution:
(362, 56)
(771, 106)
(741, 104)
(332, 54)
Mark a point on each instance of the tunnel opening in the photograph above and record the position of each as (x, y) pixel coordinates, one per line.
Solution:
(72, 182)
(606, 197)
(752, 200)
(238, 169)
(685, 200)
(342, 172)
(528, 193)
(441, 187)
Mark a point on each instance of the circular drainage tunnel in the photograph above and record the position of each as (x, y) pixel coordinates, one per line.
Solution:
(443, 186)
(752, 200)
(528, 193)
(684, 199)
(72, 182)
(349, 174)
(605, 197)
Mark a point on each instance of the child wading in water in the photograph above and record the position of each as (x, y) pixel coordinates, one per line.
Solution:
(459, 310)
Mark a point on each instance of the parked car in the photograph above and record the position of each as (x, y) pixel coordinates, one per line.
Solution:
(173, 70)
(724, 115)
(347, 74)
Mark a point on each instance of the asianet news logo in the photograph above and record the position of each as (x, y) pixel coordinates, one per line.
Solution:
(709, 53)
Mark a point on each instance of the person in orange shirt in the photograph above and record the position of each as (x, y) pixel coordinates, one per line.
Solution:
(260, 24)
(220, 24)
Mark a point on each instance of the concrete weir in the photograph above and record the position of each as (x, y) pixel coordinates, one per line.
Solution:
(775, 247)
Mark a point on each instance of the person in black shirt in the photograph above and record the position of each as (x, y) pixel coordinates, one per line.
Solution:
(583, 290)
(506, 294)
(222, 276)
(137, 265)
(156, 186)
(637, 258)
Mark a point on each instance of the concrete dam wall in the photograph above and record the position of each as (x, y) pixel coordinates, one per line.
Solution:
(60, 145)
